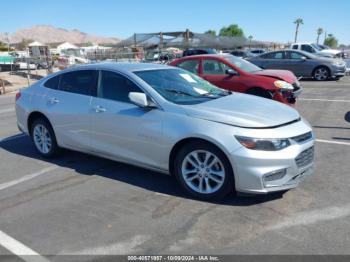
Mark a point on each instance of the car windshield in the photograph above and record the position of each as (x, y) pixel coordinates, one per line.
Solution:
(316, 47)
(180, 86)
(243, 64)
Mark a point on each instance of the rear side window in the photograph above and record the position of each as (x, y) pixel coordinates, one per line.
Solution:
(83, 82)
(190, 65)
(116, 87)
(52, 82)
(295, 47)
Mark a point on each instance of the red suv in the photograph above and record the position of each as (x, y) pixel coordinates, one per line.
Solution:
(236, 74)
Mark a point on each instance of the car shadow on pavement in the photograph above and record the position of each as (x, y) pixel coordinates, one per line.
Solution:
(88, 165)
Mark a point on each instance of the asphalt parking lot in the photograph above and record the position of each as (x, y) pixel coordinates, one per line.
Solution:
(80, 204)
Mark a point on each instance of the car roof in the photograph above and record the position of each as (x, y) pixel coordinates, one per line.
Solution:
(121, 67)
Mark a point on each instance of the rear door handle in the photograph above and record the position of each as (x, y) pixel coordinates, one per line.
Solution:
(99, 109)
(53, 100)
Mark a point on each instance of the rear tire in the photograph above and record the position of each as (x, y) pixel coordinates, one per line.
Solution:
(44, 138)
(204, 171)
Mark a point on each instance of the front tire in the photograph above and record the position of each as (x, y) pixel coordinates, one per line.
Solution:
(44, 138)
(321, 73)
(204, 171)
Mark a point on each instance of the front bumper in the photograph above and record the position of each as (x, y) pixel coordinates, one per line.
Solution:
(338, 71)
(250, 167)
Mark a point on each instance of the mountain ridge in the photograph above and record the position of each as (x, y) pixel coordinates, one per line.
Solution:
(49, 34)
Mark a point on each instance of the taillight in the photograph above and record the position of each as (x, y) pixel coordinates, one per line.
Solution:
(18, 95)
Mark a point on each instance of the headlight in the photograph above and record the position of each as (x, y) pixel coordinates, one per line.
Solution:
(283, 85)
(337, 63)
(263, 144)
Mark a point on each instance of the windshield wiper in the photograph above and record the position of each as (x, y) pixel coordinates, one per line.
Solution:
(179, 92)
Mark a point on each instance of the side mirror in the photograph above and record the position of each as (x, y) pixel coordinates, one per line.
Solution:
(141, 100)
(303, 58)
(231, 72)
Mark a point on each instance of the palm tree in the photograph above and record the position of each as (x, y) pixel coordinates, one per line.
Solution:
(298, 22)
(319, 32)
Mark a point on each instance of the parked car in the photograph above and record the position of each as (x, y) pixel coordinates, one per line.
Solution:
(258, 51)
(316, 50)
(236, 74)
(302, 64)
(202, 51)
(172, 121)
(242, 53)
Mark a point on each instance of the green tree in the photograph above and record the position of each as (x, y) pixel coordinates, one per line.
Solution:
(298, 22)
(24, 43)
(3, 47)
(231, 30)
(331, 41)
(319, 32)
(210, 32)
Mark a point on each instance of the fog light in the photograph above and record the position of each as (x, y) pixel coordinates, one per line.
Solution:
(275, 175)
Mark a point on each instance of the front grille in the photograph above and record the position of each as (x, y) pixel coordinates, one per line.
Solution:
(305, 158)
(296, 86)
(303, 138)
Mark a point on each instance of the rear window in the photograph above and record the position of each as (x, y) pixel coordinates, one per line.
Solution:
(52, 82)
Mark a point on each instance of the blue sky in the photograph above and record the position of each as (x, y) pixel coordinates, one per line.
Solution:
(264, 20)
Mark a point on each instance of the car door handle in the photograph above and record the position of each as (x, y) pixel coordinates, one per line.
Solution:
(53, 100)
(99, 109)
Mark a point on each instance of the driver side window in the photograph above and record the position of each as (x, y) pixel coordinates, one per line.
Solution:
(214, 67)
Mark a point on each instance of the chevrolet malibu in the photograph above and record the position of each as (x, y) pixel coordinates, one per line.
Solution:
(169, 120)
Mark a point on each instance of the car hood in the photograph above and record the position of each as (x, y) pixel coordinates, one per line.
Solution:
(330, 51)
(243, 110)
(284, 75)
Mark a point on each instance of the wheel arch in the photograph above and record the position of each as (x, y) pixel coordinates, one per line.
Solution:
(320, 66)
(179, 144)
(32, 117)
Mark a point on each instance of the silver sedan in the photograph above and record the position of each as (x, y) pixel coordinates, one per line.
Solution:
(171, 121)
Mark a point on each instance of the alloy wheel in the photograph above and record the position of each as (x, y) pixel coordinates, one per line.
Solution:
(203, 172)
(42, 139)
(321, 74)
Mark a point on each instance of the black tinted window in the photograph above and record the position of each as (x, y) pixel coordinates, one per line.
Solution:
(52, 82)
(80, 82)
(115, 87)
(274, 55)
(307, 48)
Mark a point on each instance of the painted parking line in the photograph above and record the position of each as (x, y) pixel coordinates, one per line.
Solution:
(332, 142)
(27, 177)
(324, 100)
(5, 139)
(19, 249)
(7, 110)
(313, 217)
